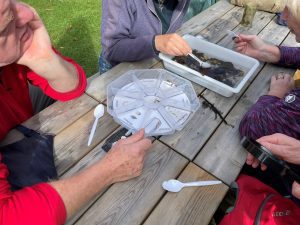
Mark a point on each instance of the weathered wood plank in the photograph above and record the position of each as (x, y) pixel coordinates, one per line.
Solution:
(223, 155)
(131, 201)
(206, 17)
(93, 156)
(204, 122)
(71, 144)
(97, 88)
(59, 115)
(217, 30)
(195, 205)
(261, 19)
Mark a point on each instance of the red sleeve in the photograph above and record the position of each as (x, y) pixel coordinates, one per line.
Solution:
(36, 205)
(48, 90)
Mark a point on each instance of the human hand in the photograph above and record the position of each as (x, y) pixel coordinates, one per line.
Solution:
(172, 44)
(126, 158)
(249, 45)
(281, 145)
(39, 52)
(281, 84)
(253, 46)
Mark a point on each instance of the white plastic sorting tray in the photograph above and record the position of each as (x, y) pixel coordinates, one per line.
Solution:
(248, 65)
(154, 99)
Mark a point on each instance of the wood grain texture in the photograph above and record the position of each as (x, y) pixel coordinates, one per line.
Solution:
(71, 144)
(131, 201)
(223, 155)
(205, 18)
(192, 205)
(93, 156)
(97, 88)
(59, 115)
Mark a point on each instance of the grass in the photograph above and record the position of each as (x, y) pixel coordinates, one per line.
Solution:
(74, 28)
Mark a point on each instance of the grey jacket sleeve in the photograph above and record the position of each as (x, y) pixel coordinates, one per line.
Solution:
(117, 42)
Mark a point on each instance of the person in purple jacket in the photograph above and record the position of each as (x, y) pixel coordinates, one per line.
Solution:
(275, 117)
(279, 110)
(134, 30)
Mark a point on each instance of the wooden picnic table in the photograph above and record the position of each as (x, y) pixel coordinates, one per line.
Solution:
(206, 148)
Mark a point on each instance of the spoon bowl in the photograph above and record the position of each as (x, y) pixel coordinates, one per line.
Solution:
(98, 113)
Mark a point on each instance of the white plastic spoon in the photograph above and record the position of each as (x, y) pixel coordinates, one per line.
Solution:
(176, 185)
(232, 34)
(98, 113)
(202, 64)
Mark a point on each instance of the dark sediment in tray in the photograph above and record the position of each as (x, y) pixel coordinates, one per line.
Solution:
(224, 72)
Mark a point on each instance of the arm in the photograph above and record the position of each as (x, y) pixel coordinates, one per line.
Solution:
(49, 204)
(117, 42)
(253, 46)
(290, 56)
(124, 161)
(39, 56)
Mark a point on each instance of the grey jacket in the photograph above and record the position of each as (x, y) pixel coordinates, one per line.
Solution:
(128, 27)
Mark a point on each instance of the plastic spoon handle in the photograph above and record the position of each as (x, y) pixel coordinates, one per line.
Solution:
(93, 131)
(202, 64)
(202, 183)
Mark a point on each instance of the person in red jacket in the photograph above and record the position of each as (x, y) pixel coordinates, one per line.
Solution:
(26, 55)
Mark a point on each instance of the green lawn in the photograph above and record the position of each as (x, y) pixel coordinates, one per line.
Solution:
(74, 28)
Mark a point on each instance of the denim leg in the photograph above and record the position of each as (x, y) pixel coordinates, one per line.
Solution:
(104, 66)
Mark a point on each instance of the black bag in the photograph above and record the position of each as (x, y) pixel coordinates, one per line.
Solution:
(30, 160)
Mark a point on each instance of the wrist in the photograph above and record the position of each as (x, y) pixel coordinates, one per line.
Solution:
(276, 94)
(270, 54)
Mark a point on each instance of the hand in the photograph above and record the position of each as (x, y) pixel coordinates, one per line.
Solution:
(253, 46)
(126, 157)
(39, 52)
(172, 44)
(281, 145)
(280, 85)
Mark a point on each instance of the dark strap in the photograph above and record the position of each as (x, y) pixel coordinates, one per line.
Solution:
(26, 131)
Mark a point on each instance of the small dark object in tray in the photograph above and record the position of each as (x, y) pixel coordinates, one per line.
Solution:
(224, 72)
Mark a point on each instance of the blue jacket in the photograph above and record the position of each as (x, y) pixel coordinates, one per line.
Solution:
(128, 28)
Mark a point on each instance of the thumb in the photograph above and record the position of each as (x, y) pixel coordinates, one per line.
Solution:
(274, 148)
(244, 37)
(135, 137)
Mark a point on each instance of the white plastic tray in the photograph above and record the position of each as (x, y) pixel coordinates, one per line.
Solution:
(154, 99)
(248, 65)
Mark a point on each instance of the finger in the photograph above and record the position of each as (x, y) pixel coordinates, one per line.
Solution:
(274, 148)
(185, 46)
(250, 159)
(246, 37)
(143, 144)
(263, 167)
(255, 163)
(135, 137)
(296, 189)
(275, 139)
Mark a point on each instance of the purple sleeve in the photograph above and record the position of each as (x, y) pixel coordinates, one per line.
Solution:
(118, 43)
(271, 115)
(289, 56)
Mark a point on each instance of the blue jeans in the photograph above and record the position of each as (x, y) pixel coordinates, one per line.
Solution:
(104, 65)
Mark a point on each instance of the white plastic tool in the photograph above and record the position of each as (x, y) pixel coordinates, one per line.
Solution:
(232, 34)
(98, 113)
(202, 64)
(176, 185)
